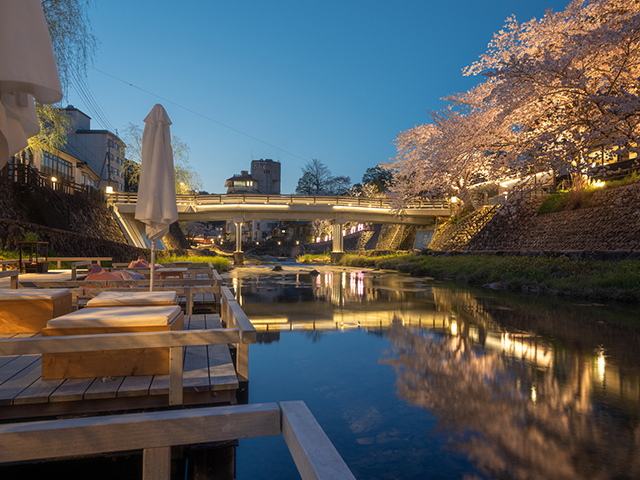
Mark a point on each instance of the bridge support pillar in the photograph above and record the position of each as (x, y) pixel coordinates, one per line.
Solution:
(338, 243)
(238, 255)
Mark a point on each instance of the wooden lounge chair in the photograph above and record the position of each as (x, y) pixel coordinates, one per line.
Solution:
(88, 321)
(27, 310)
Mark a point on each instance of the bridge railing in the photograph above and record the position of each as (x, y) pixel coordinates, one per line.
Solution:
(256, 199)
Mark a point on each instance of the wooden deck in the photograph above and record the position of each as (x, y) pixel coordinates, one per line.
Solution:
(209, 377)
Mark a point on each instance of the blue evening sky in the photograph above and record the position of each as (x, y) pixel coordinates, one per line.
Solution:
(288, 80)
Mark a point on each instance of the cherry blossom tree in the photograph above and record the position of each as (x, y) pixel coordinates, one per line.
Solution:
(560, 93)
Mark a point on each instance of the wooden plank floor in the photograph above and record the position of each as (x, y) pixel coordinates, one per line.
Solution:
(207, 371)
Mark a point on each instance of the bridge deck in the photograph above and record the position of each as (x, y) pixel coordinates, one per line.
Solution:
(293, 207)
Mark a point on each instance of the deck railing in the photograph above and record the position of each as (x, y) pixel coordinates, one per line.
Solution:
(13, 274)
(156, 432)
(78, 288)
(175, 340)
(233, 315)
(59, 260)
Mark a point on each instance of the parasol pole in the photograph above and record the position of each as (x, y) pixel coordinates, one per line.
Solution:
(153, 264)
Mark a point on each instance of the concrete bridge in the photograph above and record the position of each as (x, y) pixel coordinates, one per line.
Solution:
(242, 208)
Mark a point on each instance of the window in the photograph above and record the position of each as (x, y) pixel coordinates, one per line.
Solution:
(54, 166)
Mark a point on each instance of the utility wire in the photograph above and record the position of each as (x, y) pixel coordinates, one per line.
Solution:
(83, 90)
(199, 114)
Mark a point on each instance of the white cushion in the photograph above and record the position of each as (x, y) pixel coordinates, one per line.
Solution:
(126, 298)
(117, 317)
(27, 294)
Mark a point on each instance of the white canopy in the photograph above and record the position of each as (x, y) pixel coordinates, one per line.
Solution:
(27, 70)
(156, 205)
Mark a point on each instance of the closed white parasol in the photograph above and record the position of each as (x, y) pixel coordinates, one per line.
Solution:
(156, 205)
(27, 70)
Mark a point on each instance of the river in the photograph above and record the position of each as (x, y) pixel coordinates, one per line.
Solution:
(413, 378)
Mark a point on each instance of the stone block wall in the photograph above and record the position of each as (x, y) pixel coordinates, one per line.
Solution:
(451, 236)
(89, 229)
(612, 225)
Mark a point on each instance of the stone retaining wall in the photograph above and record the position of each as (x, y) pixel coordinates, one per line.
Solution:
(613, 225)
(89, 229)
(70, 244)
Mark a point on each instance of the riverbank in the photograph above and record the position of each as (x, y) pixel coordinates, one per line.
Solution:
(586, 278)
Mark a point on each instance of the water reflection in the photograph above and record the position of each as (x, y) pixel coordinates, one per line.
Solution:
(527, 388)
(517, 419)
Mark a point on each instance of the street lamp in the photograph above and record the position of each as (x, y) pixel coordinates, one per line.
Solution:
(108, 190)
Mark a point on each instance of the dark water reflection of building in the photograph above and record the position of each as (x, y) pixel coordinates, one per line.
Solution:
(533, 389)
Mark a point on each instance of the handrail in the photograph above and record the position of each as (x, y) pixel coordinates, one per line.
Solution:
(257, 199)
(75, 265)
(98, 260)
(4, 263)
(156, 432)
(13, 274)
(188, 287)
(207, 268)
(175, 340)
(233, 315)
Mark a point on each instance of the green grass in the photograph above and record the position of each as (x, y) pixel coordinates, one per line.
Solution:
(221, 264)
(581, 197)
(628, 180)
(580, 278)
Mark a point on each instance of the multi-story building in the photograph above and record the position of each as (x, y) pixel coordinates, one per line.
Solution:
(267, 174)
(102, 150)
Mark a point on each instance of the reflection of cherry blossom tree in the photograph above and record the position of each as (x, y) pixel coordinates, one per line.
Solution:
(551, 433)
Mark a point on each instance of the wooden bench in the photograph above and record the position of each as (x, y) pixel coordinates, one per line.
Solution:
(95, 321)
(27, 310)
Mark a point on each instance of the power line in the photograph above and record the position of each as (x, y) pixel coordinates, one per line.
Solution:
(83, 90)
(199, 114)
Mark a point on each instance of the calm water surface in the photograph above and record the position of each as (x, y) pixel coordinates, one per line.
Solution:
(413, 378)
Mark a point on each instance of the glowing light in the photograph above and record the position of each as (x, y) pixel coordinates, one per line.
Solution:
(454, 200)
(108, 190)
(54, 179)
(597, 184)
(534, 394)
(601, 365)
(454, 328)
